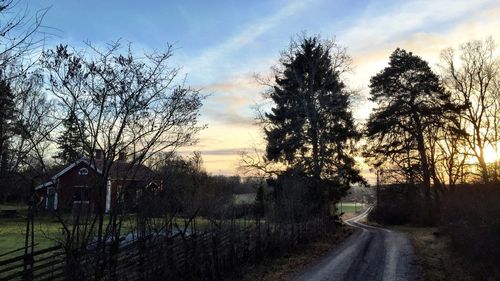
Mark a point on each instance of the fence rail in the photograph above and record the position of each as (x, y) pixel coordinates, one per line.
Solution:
(205, 256)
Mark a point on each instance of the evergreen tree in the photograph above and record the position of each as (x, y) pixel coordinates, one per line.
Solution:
(411, 105)
(310, 127)
(72, 140)
(259, 201)
(7, 119)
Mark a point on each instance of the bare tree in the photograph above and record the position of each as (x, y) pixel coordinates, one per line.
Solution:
(24, 106)
(21, 34)
(125, 105)
(471, 79)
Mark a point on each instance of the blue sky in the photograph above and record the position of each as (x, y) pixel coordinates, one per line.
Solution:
(222, 44)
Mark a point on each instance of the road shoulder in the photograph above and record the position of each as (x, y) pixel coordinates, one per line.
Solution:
(434, 255)
(285, 267)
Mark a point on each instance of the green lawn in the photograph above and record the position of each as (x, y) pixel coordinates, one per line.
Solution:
(13, 206)
(47, 230)
(350, 207)
(12, 234)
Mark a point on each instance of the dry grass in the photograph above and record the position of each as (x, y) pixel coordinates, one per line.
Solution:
(435, 256)
(285, 267)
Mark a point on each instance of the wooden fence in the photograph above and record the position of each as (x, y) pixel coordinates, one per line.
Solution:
(205, 256)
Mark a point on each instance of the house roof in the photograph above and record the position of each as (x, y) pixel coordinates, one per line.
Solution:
(119, 170)
(65, 170)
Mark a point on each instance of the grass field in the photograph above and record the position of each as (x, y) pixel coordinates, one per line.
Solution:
(350, 207)
(246, 198)
(12, 234)
(47, 229)
(13, 206)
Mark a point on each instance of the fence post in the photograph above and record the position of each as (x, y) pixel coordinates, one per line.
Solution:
(28, 267)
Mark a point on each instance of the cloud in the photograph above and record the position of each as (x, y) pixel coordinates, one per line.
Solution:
(230, 151)
(209, 57)
(380, 25)
(420, 26)
(424, 41)
(230, 118)
(232, 100)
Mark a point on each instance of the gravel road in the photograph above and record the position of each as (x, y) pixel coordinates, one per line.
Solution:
(370, 253)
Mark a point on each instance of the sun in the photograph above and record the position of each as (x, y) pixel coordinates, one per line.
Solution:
(490, 154)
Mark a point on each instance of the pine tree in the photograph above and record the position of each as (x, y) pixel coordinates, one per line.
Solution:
(72, 140)
(310, 126)
(7, 119)
(412, 104)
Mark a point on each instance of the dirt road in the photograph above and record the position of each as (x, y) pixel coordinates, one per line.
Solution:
(371, 253)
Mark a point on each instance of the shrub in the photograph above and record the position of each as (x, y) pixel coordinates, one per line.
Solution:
(470, 215)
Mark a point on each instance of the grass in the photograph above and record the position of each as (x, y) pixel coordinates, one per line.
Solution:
(435, 255)
(12, 234)
(48, 230)
(350, 207)
(13, 206)
(288, 265)
(246, 198)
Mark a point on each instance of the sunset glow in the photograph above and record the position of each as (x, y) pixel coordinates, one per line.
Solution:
(491, 155)
(248, 41)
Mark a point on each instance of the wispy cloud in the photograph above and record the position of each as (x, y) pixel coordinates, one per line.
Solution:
(420, 26)
(230, 151)
(247, 35)
(413, 26)
(380, 25)
(232, 100)
(232, 118)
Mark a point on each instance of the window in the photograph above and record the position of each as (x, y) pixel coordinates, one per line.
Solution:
(82, 194)
(83, 172)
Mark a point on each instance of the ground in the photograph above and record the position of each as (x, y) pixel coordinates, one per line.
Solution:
(285, 267)
(370, 253)
(12, 234)
(48, 229)
(289, 265)
(434, 254)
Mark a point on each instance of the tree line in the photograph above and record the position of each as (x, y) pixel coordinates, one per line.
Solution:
(430, 129)
(427, 128)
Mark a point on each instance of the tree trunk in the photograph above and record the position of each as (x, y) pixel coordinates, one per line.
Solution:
(424, 166)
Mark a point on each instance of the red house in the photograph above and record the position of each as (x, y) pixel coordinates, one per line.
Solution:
(77, 184)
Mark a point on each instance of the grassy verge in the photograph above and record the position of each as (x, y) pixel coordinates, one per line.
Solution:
(435, 256)
(285, 267)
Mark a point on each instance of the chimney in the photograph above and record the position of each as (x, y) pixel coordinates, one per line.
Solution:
(121, 156)
(98, 154)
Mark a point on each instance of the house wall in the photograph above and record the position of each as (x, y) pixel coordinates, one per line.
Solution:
(68, 183)
(124, 191)
(113, 190)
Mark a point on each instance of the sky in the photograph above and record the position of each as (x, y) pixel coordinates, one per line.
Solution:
(221, 46)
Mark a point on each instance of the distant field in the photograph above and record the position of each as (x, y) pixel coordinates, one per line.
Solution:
(350, 207)
(244, 198)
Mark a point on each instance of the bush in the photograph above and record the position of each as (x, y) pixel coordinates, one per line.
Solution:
(470, 215)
